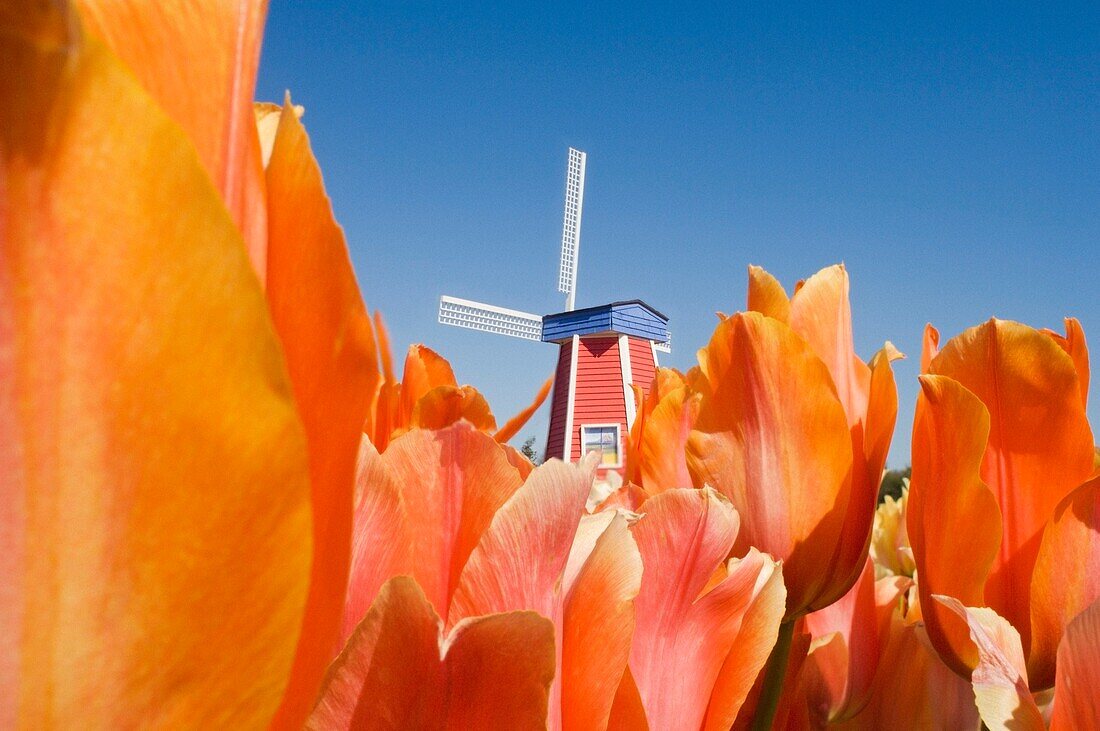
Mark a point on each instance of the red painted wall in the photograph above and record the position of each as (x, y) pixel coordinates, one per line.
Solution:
(559, 403)
(641, 363)
(599, 392)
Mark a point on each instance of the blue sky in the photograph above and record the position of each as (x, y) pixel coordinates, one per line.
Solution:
(949, 156)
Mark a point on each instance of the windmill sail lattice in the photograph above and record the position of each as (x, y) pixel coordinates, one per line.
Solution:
(571, 227)
(488, 318)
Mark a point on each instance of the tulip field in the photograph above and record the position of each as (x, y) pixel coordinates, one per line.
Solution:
(227, 505)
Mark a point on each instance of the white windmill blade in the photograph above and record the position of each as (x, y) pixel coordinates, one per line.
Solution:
(666, 346)
(488, 318)
(571, 226)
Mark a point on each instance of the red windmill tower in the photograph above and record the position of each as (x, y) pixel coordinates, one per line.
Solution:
(602, 349)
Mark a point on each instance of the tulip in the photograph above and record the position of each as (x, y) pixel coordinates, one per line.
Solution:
(890, 548)
(656, 444)
(448, 508)
(1001, 449)
(1000, 677)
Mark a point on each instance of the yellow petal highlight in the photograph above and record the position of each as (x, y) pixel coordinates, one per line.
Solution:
(152, 466)
(766, 295)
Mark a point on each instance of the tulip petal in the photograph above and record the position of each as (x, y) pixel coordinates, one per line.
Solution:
(930, 347)
(750, 651)
(1040, 446)
(380, 541)
(952, 517)
(599, 621)
(517, 422)
(683, 636)
(424, 370)
(452, 481)
(153, 469)
(999, 680)
(1073, 342)
(199, 63)
(494, 672)
(1078, 684)
(1066, 578)
(329, 346)
(627, 712)
(822, 315)
(772, 436)
(671, 410)
(444, 405)
(767, 296)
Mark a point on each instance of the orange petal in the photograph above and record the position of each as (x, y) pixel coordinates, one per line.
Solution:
(330, 352)
(683, 636)
(380, 542)
(199, 64)
(494, 670)
(627, 713)
(599, 619)
(517, 460)
(1078, 684)
(424, 370)
(1073, 342)
(1040, 445)
(444, 405)
(267, 125)
(772, 436)
(952, 518)
(822, 315)
(153, 469)
(671, 411)
(999, 680)
(452, 481)
(384, 350)
(517, 422)
(750, 651)
(930, 347)
(766, 295)
(1066, 578)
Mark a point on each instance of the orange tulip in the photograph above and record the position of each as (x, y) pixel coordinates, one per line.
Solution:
(655, 449)
(448, 508)
(1000, 443)
(794, 429)
(1000, 677)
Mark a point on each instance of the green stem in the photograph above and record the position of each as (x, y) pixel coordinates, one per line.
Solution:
(774, 672)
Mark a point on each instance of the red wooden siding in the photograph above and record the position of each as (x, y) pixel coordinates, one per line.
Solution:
(599, 391)
(641, 363)
(559, 404)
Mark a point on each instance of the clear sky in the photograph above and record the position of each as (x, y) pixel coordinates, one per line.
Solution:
(949, 157)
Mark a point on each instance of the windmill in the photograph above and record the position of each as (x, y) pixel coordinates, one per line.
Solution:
(602, 350)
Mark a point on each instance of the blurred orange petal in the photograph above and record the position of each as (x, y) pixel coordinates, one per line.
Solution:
(153, 469)
(999, 680)
(326, 335)
(952, 518)
(1078, 684)
(1073, 342)
(772, 436)
(766, 295)
(1040, 446)
(930, 347)
(599, 618)
(267, 125)
(1066, 578)
(494, 670)
(517, 422)
(424, 370)
(444, 405)
(199, 62)
(683, 636)
(453, 481)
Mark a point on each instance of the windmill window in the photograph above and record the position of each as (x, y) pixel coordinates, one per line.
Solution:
(604, 438)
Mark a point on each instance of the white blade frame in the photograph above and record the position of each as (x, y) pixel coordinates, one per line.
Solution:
(571, 226)
(666, 346)
(489, 318)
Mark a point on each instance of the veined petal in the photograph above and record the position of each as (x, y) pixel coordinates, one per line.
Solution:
(1040, 446)
(199, 62)
(493, 670)
(517, 422)
(953, 520)
(772, 436)
(153, 469)
(452, 482)
(999, 680)
(599, 619)
(326, 335)
(444, 405)
(822, 315)
(1066, 578)
(1078, 683)
(1073, 342)
(767, 296)
(682, 635)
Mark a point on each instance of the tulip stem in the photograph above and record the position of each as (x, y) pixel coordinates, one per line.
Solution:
(774, 673)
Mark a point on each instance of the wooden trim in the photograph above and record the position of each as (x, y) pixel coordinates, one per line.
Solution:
(567, 442)
(628, 378)
(653, 349)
